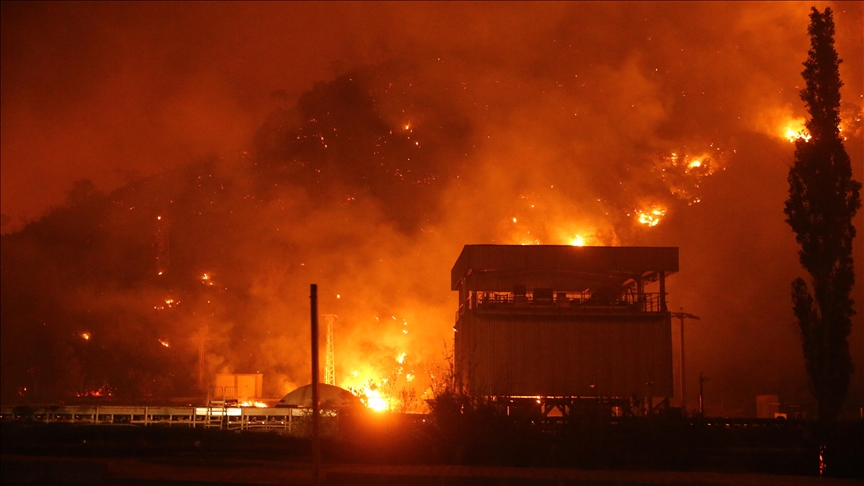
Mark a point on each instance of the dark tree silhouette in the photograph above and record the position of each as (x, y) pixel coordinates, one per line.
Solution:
(823, 199)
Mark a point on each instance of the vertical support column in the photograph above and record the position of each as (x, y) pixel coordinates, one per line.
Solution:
(683, 379)
(663, 292)
(316, 442)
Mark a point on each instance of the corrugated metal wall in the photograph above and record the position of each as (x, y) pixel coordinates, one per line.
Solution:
(564, 355)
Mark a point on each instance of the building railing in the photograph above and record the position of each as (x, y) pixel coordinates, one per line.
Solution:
(633, 301)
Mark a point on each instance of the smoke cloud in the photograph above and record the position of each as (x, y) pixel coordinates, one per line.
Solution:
(360, 146)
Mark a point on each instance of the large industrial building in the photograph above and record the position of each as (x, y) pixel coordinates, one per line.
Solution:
(563, 322)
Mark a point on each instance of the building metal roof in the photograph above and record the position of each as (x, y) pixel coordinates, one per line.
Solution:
(493, 267)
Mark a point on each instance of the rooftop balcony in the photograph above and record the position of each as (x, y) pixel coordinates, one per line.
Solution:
(547, 302)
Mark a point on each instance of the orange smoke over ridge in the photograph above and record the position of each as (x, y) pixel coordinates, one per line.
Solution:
(444, 125)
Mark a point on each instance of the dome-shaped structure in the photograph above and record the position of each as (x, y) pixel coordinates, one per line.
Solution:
(330, 397)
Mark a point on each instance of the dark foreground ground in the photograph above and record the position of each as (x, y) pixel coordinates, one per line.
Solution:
(396, 453)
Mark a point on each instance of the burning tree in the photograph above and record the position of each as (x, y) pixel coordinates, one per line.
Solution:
(823, 198)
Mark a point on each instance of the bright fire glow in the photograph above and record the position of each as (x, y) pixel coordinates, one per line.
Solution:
(169, 302)
(578, 241)
(372, 394)
(85, 335)
(164, 343)
(699, 166)
(792, 135)
(392, 382)
(796, 129)
(253, 403)
(375, 401)
(651, 217)
(102, 391)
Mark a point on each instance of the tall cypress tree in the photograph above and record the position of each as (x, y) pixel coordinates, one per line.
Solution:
(823, 198)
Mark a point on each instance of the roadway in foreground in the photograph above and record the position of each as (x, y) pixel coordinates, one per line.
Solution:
(33, 470)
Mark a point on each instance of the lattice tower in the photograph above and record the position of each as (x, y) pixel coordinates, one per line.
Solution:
(330, 357)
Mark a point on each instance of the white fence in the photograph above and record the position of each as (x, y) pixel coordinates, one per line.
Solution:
(228, 418)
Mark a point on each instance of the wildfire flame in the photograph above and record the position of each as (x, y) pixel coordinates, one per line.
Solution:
(102, 391)
(85, 336)
(651, 217)
(795, 130)
(375, 401)
(392, 381)
(792, 135)
(169, 302)
(164, 343)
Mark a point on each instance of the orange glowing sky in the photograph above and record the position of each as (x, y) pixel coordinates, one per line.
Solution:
(114, 91)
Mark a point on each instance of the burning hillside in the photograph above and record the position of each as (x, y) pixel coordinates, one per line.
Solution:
(643, 128)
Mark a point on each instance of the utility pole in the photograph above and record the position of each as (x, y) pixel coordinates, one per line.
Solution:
(316, 440)
(701, 400)
(683, 315)
(204, 330)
